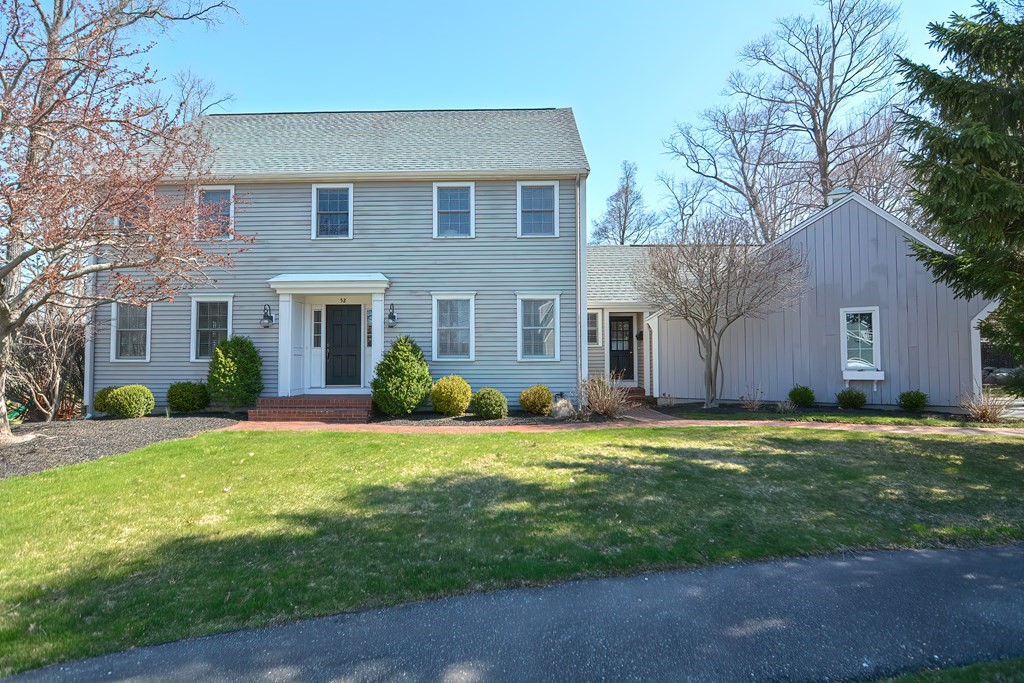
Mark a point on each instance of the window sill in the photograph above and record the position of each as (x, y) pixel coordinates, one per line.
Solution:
(538, 360)
(532, 237)
(199, 360)
(454, 237)
(129, 360)
(865, 375)
(329, 237)
(468, 359)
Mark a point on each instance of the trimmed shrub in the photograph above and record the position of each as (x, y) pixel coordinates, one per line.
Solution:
(402, 380)
(187, 397)
(133, 400)
(99, 399)
(536, 399)
(235, 378)
(801, 396)
(451, 395)
(489, 404)
(912, 401)
(851, 398)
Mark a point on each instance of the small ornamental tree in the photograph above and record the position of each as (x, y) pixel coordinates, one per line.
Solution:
(401, 381)
(235, 378)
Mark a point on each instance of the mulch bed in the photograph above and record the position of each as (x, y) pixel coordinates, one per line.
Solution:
(430, 419)
(75, 441)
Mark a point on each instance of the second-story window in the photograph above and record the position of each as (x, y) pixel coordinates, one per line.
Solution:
(537, 208)
(217, 202)
(332, 211)
(453, 209)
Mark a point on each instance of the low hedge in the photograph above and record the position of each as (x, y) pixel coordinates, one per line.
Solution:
(133, 400)
(801, 396)
(451, 395)
(851, 398)
(188, 397)
(536, 399)
(913, 401)
(99, 399)
(489, 404)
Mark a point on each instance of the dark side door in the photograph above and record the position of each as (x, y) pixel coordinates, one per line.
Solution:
(344, 352)
(620, 347)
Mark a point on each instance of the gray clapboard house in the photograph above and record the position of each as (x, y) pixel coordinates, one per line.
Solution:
(872, 318)
(458, 228)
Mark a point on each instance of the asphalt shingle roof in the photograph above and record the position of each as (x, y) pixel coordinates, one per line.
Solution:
(610, 271)
(389, 142)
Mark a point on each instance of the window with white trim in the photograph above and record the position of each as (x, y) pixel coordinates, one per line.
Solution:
(538, 322)
(131, 332)
(859, 332)
(454, 209)
(593, 328)
(218, 204)
(332, 211)
(537, 208)
(211, 324)
(454, 326)
(318, 327)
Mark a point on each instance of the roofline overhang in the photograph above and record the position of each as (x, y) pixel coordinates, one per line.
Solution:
(329, 283)
(365, 176)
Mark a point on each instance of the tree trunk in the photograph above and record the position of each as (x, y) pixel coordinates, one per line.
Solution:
(6, 352)
(711, 374)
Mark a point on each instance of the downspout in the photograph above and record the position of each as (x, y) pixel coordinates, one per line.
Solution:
(87, 371)
(581, 279)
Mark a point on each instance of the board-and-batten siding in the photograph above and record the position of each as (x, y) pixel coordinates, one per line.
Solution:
(393, 235)
(855, 258)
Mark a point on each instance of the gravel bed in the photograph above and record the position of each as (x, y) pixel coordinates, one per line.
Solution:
(74, 441)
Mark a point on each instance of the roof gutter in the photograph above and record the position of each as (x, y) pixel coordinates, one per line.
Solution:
(367, 176)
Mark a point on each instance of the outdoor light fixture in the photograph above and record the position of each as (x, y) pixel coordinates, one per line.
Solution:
(640, 335)
(268, 318)
(392, 318)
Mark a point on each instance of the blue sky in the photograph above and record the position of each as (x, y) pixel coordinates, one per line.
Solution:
(629, 70)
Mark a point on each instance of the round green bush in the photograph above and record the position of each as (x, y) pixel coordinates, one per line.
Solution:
(402, 380)
(536, 399)
(851, 398)
(913, 401)
(489, 404)
(801, 396)
(235, 378)
(99, 399)
(133, 400)
(451, 395)
(187, 397)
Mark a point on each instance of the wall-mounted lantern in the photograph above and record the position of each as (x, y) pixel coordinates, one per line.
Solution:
(268, 317)
(640, 335)
(392, 318)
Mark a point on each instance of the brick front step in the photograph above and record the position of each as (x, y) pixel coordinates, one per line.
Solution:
(312, 409)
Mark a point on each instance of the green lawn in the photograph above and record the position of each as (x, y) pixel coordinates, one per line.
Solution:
(1010, 671)
(835, 415)
(238, 529)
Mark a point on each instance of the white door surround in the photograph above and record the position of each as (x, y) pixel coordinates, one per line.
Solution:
(300, 363)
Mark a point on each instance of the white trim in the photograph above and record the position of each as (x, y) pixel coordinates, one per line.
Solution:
(654, 322)
(597, 314)
(531, 296)
(231, 207)
(635, 382)
(450, 296)
(871, 206)
(976, 345)
(428, 175)
(472, 209)
(582, 352)
(351, 210)
(113, 334)
(196, 298)
(876, 347)
(519, 206)
(329, 283)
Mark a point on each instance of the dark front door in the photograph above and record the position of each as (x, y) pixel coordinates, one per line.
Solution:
(344, 352)
(620, 347)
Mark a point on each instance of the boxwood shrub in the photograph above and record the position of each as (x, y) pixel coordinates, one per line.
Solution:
(187, 397)
(913, 401)
(489, 404)
(851, 398)
(133, 400)
(99, 399)
(536, 399)
(801, 396)
(451, 395)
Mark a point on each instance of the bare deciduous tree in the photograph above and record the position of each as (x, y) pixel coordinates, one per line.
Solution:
(627, 219)
(688, 200)
(715, 278)
(84, 144)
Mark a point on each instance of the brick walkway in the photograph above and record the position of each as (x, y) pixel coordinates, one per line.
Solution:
(641, 416)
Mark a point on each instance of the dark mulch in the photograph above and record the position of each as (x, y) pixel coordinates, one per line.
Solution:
(429, 419)
(74, 441)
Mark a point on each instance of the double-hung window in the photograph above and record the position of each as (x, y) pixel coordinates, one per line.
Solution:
(593, 328)
(537, 325)
(130, 338)
(217, 203)
(211, 324)
(537, 208)
(454, 209)
(454, 317)
(332, 211)
(860, 349)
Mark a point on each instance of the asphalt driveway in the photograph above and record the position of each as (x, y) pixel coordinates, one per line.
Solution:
(861, 616)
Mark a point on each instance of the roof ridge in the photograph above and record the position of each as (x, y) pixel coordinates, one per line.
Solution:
(385, 111)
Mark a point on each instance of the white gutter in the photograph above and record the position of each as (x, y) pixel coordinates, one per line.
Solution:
(87, 372)
(581, 279)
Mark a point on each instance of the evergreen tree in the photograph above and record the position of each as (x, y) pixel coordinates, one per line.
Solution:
(968, 166)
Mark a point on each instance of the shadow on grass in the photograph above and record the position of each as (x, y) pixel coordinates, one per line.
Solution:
(624, 505)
